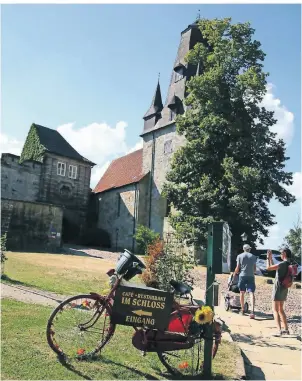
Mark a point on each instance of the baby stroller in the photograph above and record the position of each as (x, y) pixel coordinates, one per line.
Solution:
(231, 300)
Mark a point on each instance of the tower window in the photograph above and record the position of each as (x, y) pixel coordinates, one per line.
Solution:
(168, 147)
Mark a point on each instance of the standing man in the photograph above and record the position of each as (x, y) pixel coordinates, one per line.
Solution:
(246, 267)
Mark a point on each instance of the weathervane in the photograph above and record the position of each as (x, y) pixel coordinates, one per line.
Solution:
(198, 14)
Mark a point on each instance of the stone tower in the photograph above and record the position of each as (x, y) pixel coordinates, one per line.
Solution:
(160, 139)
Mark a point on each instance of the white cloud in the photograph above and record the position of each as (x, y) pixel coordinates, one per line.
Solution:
(9, 144)
(96, 141)
(284, 128)
(137, 146)
(295, 188)
(99, 143)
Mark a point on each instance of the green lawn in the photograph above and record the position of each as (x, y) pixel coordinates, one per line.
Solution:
(63, 274)
(26, 355)
(25, 352)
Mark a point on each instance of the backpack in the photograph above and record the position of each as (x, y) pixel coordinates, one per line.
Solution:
(288, 280)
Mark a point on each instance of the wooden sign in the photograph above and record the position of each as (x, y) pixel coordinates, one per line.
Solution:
(142, 307)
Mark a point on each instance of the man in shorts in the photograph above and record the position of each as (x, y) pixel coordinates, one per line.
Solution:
(246, 267)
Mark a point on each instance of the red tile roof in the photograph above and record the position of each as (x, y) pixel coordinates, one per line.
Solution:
(122, 171)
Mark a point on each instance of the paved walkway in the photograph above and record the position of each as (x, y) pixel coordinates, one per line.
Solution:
(266, 357)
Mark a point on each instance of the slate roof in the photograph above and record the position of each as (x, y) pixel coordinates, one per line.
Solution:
(122, 171)
(54, 142)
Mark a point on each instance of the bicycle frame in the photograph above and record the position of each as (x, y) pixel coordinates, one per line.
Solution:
(177, 309)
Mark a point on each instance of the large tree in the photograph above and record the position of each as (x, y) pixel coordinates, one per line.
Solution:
(293, 240)
(232, 165)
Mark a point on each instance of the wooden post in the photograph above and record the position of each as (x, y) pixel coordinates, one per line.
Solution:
(214, 266)
(208, 345)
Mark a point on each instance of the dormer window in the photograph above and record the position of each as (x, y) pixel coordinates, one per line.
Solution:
(61, 168)
(179, 75)
(179, 72)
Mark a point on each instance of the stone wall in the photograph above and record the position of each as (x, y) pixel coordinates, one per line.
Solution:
(31, 226)
(19, 181)
(116, 215)
(121, 210)
(167, 141)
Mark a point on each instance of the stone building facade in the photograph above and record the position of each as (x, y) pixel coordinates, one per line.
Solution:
(49, 171)
(121, 194)
(160, 142)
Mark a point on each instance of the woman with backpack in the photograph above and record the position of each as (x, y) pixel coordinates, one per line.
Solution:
(280, 289)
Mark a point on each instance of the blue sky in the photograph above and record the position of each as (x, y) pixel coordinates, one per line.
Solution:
(91, 70)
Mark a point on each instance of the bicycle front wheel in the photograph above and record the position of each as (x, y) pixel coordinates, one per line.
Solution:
(80, 327)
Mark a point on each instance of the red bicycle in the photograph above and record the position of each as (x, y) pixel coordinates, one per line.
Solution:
(82, 325)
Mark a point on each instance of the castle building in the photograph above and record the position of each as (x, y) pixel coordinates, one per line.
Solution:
(48, 172)
(135, 181)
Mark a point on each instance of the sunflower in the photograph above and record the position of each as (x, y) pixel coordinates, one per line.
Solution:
(204, 315)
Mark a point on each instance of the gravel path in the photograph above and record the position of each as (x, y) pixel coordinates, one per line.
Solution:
(30, 295)
(263, 299)
(111, 256)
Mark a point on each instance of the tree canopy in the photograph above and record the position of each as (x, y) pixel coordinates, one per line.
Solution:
(293, 240)
(232, 164)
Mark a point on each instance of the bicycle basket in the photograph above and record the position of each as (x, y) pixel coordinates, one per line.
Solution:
(128, 262)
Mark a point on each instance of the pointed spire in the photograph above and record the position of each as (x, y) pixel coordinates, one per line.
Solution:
(157, 104)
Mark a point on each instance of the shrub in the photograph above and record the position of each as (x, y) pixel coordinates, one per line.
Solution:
(145, 237)
(3, 252)
(167, 262)
(155, 251)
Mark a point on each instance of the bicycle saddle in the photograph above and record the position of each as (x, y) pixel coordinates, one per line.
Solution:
(180, 287)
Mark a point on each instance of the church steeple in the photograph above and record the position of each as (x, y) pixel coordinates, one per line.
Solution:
(156, 105)
(159, 116)
(154, 113)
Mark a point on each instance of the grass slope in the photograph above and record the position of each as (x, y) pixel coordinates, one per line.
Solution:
(63, 274)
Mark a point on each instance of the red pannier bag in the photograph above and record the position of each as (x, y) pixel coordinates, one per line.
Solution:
(180, 321)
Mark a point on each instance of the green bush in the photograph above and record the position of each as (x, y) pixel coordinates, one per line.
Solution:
(3, 252)
(145, 237)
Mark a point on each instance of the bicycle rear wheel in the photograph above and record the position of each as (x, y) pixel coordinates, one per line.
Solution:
(186, 363)
(80, 327)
